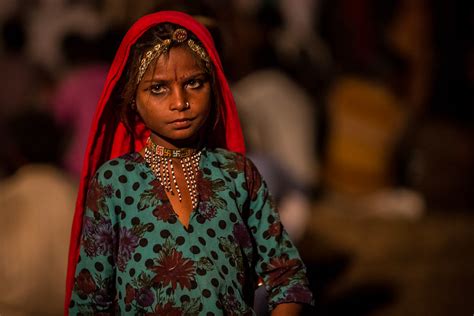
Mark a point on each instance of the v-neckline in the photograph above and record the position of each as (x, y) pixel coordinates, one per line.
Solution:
(167, 202)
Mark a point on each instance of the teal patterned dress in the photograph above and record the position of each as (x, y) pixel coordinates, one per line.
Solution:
(136, 257)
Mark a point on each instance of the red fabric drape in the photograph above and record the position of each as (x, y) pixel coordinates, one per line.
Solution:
(108, 137)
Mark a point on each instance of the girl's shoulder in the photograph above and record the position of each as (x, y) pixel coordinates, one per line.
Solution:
(229, 161)
(221, 153)
(224, 156)
(125, 163)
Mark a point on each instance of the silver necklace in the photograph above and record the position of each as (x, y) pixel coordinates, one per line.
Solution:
(160, 160)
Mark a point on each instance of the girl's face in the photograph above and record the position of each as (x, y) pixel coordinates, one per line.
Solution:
(174, 99)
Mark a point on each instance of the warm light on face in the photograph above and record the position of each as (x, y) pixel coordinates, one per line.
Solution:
(174, 98)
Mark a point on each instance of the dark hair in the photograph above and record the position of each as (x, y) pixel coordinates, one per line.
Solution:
(125, 90)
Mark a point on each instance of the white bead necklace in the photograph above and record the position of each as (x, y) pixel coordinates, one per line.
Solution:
(160, 160)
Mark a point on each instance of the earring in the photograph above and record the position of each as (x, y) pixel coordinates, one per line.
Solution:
(133, 104)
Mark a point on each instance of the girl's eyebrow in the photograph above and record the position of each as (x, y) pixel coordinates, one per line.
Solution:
(159, 79)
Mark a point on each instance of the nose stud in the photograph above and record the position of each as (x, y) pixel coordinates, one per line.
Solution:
(187, 105)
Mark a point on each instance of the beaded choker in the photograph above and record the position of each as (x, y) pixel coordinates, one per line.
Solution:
(160, 160)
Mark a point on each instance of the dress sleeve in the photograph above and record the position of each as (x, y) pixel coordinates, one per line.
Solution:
(278, 262)
(94, 289)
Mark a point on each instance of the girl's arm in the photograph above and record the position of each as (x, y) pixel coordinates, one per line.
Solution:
(279, 263)
(94, 283)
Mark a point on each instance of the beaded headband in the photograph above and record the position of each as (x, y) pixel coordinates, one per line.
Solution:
(179, 36)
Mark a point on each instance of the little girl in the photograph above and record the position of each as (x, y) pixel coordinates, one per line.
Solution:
(171, 218)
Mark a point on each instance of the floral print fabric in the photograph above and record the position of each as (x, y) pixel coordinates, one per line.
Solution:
(137, 258)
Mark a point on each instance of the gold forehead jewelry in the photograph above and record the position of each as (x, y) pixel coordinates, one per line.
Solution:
(179, 36)
(198, 50)
(150, 55)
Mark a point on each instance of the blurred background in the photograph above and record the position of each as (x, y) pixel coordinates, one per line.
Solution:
(365, 108)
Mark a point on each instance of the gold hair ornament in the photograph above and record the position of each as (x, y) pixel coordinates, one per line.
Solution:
(198, 50)
(150, 55)
(179, 36)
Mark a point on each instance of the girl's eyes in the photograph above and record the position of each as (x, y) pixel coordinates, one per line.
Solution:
(157, 89)
(160, 88)
(194, 83)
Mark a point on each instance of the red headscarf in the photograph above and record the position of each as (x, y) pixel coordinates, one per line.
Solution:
(109, 138)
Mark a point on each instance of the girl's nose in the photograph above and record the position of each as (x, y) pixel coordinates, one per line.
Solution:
(179, 101)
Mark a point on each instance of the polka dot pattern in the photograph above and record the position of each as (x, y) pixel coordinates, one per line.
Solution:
(136, 236)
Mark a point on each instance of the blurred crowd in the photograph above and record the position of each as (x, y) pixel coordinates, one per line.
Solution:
(365, 104)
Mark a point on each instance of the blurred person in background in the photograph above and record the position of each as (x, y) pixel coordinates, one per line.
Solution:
(438, 147)
(76, 94)
(377, 92)
(18, 77)
(22, 82)
(48, 23)
(278, 115)
(36, 208)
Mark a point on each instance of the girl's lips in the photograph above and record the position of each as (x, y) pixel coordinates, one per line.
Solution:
(181, 123)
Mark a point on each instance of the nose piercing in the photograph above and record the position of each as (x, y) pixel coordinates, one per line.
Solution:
(187, 105)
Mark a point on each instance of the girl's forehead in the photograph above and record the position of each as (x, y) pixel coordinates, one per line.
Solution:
(177, 62)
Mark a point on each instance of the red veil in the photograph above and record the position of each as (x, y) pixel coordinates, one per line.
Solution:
(108, 137)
